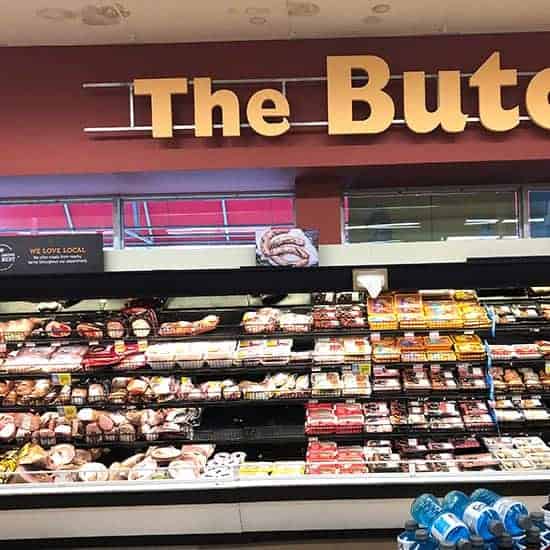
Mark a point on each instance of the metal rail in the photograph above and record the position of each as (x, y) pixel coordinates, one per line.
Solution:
(282, 81)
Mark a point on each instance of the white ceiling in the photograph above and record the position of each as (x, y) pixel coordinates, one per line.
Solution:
(67, 22)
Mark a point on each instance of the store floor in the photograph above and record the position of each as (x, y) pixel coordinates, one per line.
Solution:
(358, 544)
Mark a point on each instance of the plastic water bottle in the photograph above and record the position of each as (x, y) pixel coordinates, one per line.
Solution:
(406, 539)
(478, 543)
(481, 519)
(423, 541)
(505, 542)
(443, 526)
(533, 538)
(513, 514)
(460, 545)
(537, 519)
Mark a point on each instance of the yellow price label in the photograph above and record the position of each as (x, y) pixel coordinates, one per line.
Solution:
(120, 346)
(69, 412)
(62, 379)
(364, 368)
(65, 378)
(547, 367)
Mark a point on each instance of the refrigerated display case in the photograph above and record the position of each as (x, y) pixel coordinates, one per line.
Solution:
(170, 415)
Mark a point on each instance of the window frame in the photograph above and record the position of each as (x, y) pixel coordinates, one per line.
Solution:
(65, 202)
(404, 191)
(119, 227)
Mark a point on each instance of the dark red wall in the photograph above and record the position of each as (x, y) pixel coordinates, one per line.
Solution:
(43, 107)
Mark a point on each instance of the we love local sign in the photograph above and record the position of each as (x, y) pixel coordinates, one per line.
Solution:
(268, 110)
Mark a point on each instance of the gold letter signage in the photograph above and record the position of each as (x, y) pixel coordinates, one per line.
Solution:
(268, 112)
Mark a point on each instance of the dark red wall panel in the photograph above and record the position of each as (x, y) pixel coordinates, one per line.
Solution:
(43, 108)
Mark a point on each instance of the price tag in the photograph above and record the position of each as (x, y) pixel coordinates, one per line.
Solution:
(375, 337)
(434, 335)
(142, 345)
(468, 332)
(120, 346)
(69, 412)
(409, 334)
(547, 367)
(350, 401)
(313, 402)
(185, 380)
(436, 367)
(30, 344)
(419, 367)
(316, 369)
(365, 368)
(56, 344)
(62, 379)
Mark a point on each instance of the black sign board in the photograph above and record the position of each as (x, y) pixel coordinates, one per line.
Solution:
(51, 254)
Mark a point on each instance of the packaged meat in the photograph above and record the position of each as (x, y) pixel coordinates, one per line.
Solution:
(329, 351)
(325, 317)
(381, 313)
(324, 384)
(356, 350)
(276, 352)
(264, 320)
(220, 353)
(294, 322)
(386, 351)
(162, 354)
(355, 385)
(190, 355)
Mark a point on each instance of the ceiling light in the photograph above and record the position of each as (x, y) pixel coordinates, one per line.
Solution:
(257, 11)
(103, 15)
(56, 14)
(258, 20)
(303, 9)
(371, 20)
(381, 8)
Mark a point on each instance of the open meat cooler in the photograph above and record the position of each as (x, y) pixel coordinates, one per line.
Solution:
(135, 406)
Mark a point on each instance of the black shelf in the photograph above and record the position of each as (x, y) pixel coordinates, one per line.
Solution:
(177, 371)
(236, 332)
(276, 435)
(275, 401)
(452, 364)
(303, 367)
(519, 363)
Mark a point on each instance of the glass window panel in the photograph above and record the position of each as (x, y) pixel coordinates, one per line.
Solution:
(412, 217)
(60, 217)
(202, 221)
(539, 213)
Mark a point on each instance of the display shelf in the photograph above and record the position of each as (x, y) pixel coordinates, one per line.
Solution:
(522, 328)
(450, 364)
(175, 371)
(295, 434)
(297, 367)
(259, 401)
(519, 363)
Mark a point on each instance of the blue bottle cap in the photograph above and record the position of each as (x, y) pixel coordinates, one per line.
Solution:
(496, 528)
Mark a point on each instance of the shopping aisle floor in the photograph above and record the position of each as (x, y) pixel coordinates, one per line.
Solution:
(339, 544)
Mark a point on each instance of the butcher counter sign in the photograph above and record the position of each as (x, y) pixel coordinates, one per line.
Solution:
(51, 254)
(268, 110)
